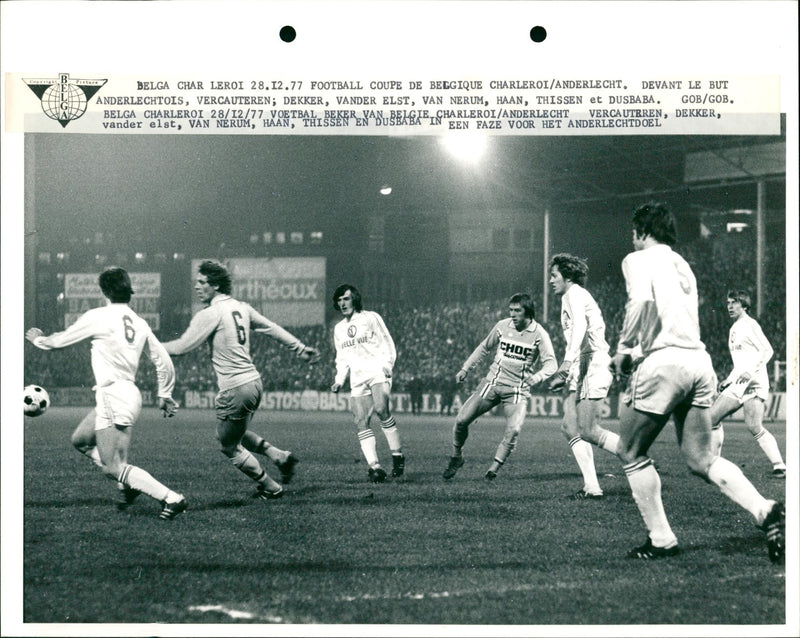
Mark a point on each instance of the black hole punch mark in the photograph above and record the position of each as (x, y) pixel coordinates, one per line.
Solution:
(538, 34)
(288, 34)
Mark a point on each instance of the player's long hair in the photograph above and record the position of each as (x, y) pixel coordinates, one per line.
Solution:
(656, 220)
(524, 300)
(742, 296)
(217, 276)
(572, 268)
(115, 282)
(340, 290)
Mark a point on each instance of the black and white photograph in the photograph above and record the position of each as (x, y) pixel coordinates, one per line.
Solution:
(335, 340)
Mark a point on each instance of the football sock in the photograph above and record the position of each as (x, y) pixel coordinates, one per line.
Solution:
(389, 429)
(93, 454)
(735, 485)
(256, 444)
(770, 447)
(502, 453)
(369, 446)
(608, 441)
(460, 434)
(582, 451)
(139, 479)
(717, 437)
(496, 465)
(646, 489)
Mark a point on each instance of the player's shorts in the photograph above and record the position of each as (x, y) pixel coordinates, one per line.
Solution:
(497, 394)
(363, 386)
(590, 376)
(239, 402)
(670, 377)
(117, 404)
(755, 388)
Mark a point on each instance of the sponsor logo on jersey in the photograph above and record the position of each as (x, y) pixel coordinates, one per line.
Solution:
(515, 350)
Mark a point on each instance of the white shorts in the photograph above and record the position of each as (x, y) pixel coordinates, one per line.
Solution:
(363, 387)
(743, 392)
(670, 377)
(590, 377)
(117, 404)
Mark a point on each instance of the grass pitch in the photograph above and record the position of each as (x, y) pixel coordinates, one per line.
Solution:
(338, 549)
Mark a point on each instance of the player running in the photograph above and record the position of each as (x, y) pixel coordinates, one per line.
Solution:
(674, 378)
(225, 325)
(584, 371)
(118, 337)
(747, 386)
(519, 344)
(365, 352)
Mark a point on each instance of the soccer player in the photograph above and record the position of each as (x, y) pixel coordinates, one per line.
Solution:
(674, 378)
(518, 344)
(747, 386)
(365, 351)
(225, 325)
(584, 372)
(118, 337)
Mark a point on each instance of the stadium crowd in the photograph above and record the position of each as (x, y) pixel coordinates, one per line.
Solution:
(433, 341)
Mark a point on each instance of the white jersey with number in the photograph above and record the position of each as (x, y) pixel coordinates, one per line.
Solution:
(118, 337)
(750, 350)
(364, 347)
(582, 323)
(661, 311)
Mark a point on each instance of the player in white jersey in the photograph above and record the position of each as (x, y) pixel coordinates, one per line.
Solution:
(747, 386)
(584, 372)
(224, 324)
(519, 345)
(118, 337)
(365, 352)
(674, 378)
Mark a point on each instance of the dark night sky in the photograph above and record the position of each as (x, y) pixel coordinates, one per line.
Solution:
(198, 190)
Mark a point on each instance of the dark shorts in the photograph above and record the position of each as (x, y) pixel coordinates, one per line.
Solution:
(239, 402)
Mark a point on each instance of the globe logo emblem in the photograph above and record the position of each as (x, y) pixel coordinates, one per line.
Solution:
(64, 102)
(64, 99)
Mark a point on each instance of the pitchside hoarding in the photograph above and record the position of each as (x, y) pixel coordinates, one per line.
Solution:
(288, 290)
(82, 292)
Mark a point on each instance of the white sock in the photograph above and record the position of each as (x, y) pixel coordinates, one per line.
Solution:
(770, 447)
(389, 428)
(502, 453)
(582, 450)
(646, 489)
(141, 480)
(93, 454)
(369, 446)
(734, 484)
(609, 441)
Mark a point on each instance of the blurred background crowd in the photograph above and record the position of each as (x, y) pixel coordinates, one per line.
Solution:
(433, 340)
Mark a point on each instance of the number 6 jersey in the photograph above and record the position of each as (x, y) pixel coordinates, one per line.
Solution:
(225, 324)
(118, 337)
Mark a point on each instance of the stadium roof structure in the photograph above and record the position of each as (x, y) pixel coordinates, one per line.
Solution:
(210, 181)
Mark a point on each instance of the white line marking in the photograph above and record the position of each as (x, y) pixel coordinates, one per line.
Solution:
(234, 613)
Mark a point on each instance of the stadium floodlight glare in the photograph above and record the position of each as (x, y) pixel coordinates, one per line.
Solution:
(467, 146)
(386, 190)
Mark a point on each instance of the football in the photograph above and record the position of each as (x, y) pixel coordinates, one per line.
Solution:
(36, 400)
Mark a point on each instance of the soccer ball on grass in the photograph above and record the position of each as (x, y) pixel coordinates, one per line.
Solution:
(36, 400)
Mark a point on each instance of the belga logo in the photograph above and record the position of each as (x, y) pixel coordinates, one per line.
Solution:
(63, 99)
